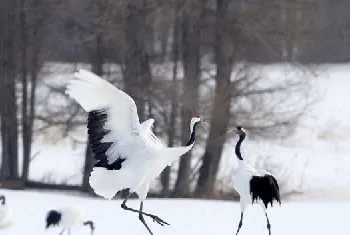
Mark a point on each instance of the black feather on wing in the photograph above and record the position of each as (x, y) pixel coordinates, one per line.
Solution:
(96, 131)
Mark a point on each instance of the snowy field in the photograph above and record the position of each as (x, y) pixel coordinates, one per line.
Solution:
(185, 216)
(313, 162)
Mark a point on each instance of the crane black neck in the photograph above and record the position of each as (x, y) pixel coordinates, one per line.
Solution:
(90, 223)
(238, 147)
(2, 199)
(193, 135)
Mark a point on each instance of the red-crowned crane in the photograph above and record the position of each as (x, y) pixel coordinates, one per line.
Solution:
(5, 214)
(253, 185)
(128, 153)
(66, 218)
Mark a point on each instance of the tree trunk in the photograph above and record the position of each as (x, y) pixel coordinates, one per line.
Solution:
(8, 106)
(31, 48)
(221, 106)
(24, 78)
(97, 61)
(31, 113)
(137, 74)
(88, 165)
(190, 92)
(165, 176)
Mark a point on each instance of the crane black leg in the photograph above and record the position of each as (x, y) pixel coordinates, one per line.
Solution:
(62, 231)
(240, 223)
(142, 219)
(154, 217)
(268, 223)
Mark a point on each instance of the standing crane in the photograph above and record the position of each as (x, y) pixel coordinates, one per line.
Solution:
(128, 153)
(5, 214)
(253, 185)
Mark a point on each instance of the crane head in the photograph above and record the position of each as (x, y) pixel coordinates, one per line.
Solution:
(2, 199)
(197, 120)
(239, 131)
(194, 120)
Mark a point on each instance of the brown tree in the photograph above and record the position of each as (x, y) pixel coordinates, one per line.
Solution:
(34, 16)
(220, 115)
(191, 34)
(137, 71)
(8, 106)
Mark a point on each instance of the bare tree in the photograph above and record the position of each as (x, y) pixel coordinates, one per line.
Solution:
(26, 139)
(8, 106)
(34, 18)
(165, 176)
(221, 106)
(191, 32)
(137, 72)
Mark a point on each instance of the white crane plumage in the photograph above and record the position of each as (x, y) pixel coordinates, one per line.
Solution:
(5, 214)
(253, 185)
(128, 153)
(66, 218)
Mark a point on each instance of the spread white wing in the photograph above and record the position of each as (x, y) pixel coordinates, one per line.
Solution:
(95, 94)
(112, 118)
(150, 137)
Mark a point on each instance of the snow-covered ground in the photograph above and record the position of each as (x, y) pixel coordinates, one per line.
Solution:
(313, 161)
(185, 216)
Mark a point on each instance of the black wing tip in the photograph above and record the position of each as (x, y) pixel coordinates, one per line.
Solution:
(116, 165)
(96, 131)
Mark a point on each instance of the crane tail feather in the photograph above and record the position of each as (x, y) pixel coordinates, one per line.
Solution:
(265, 188)
(106, 183)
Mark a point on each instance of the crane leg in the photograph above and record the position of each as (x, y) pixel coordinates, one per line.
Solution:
(62, 231)
(268, 223)
(142, 219)
(240, 223)
(154, 217)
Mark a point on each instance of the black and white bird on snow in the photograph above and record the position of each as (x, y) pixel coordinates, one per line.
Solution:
(67, 217)
(5, 214)
(253, 185)
(128, 153)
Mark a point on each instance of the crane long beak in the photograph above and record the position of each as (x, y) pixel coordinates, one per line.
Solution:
(232, 130)
(205, 125)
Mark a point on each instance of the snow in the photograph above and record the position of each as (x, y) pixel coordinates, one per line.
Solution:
(29, 210)
(312, 165)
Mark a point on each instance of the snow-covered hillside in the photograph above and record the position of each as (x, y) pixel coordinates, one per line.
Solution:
(185, 216)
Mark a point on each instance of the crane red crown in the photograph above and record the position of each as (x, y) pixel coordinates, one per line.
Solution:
(197, 116)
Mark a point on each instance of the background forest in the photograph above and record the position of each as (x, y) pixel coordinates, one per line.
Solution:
(253, 63)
